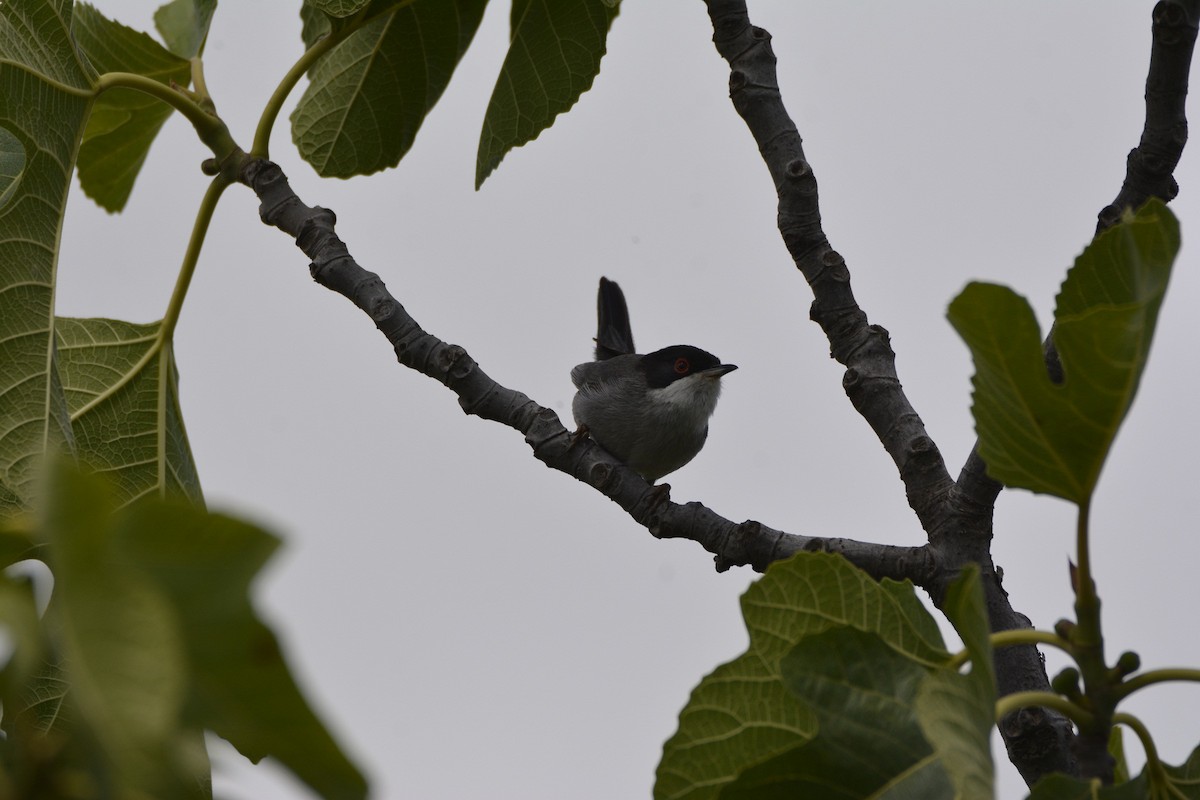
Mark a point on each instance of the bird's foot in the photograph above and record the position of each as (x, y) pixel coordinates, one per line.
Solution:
(579, 435)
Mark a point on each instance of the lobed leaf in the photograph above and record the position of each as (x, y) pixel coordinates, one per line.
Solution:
(742, 729)
(123, 122)
(241, 687)
(553, 58)
(1054, 438)
(45, 93)
(956, 712)
(862, 692)
(122, 390)
(121, 644)
(183, 25)
(368, 96)
(150, 638)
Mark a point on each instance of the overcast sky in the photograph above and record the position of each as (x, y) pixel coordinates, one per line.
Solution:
(473, 624)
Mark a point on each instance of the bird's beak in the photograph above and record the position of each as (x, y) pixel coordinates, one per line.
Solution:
(718, 371)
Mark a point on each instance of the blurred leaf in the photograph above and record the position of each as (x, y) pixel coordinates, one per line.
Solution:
(120, 640)
(44, 698)
(122, 390)
(241, 687)
(742, 715)
(957, 712)
(45, 94)
(1054, 438)
(1116, 748)
(15, 545)
(368, 96)
(1181, 783)
(152, 639)
(123, 122)
(1062, 787)
(183, 25)
(22, 630)
(553, 58)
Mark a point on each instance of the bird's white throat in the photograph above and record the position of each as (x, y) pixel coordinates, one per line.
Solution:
(694, 396)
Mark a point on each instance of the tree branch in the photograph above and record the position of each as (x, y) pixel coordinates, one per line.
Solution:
(1150, 166)
(870, 380)
(958, 525)
(749, 543)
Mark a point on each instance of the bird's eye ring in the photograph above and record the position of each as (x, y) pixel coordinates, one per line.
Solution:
(682, 366)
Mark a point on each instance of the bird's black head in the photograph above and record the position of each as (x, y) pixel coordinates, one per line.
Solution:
(664, 367)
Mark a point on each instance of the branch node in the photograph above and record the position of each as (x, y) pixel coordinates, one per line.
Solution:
(798, 168)
(921, 445)
(454, 361)
(600, 474)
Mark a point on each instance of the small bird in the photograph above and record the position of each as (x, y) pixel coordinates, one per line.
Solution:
(649, 411)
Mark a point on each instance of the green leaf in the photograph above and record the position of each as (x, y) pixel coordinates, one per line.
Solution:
(12, 165)
(15, 545)
(340, 8)
(862, 692)
(368, 96)
(183, 25)
(241, 687)
(742, 715)
(1054, 438)
(123, 122)
(45, 94)
(122, 390)
(150, 638)
(553, 58)
(1182, 782)
(22, 629)
(956, 712)
(121, 642)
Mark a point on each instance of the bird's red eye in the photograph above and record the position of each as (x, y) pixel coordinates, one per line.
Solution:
(682, 366)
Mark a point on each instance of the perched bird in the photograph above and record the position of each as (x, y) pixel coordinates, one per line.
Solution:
(649, 411)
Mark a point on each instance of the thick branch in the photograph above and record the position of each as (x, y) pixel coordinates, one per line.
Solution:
(1038, 739)
(1150, 166)
(865, 350)
(749, 543)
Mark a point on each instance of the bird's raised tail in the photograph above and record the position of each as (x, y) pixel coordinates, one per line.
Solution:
(614, 337)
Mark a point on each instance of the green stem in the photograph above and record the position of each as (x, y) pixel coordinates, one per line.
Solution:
(1157, 676)
(199, 84)
(1087, 605)
(191, 256)
(1018, 700)
(260, 147)
(1154, 766)
(171, 317)
(1011, 638)
(210, 128)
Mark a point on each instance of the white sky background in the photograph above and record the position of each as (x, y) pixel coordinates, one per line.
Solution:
(473, 624)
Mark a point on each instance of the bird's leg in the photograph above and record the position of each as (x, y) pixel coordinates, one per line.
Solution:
(580, 433)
